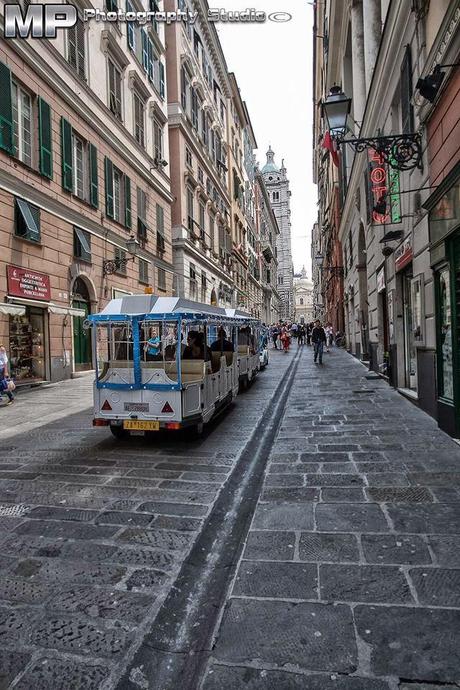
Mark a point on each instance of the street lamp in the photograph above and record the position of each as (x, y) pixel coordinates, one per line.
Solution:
(112, 265)
(400, 151)
(335, 270)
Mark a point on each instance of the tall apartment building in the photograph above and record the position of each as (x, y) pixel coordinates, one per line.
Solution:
(394, 233)
(277, 185)
(268, 233)
(198, 92)
(84, 184)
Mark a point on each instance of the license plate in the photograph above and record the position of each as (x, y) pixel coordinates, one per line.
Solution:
(136, 407)
(133, 424)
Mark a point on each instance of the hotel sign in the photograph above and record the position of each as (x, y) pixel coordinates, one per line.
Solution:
(29, 284)
(403, 254)
(384, 190)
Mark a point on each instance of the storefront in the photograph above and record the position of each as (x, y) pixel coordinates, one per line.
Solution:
(28, 300)
(444, 214)
(31, 318)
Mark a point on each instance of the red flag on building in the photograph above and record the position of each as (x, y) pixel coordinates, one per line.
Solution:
(330, 144)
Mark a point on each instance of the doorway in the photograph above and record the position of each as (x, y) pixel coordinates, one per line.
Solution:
(81, 336)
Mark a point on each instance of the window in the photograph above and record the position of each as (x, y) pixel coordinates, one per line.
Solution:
(138, 119)
(22, 124)
(188, 157)
(190, 221)
(81, 244)
(157, 140)
(80, 155)
(143, 271)
(350, 247)
(114, 89)
(211, 231)
(202, 228)
(280, 280)
(184, 88)
(160, 218)
(276, 196)
(203, 287)
(117, 194)
(301, 300)
(200, 175)
(193, 283)
(142, 217)
(407, 110)
(161, 279)
(194, 109)
(76, 48)
(131, 28)
(111, 5)
(27, 220)
(120, 255)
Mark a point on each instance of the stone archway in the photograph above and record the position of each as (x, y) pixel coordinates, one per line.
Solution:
(82, 293)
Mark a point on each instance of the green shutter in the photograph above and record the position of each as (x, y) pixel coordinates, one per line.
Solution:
(45, 146)
(93, 179)
(108, 165)
(6, 110)
(66, 150)
(127, 201)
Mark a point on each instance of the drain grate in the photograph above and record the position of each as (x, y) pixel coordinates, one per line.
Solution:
(13, 510)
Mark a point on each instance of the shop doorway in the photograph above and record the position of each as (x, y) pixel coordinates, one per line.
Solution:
(448, 339)
(81, 336)
(410, 351)
(27, 346)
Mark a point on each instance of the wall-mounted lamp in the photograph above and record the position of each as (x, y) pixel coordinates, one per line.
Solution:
(430, 85)
(400, 151)
(112, 265)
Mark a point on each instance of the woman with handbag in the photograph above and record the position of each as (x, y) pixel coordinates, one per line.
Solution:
(6, 386)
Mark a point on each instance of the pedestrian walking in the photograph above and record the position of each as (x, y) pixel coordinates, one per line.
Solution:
(309, 332)
(285, 339)
(301, 335)
(6, 386)
(318, 337)
(275, 334)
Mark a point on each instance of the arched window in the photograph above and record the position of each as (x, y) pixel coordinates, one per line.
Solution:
(301, 300)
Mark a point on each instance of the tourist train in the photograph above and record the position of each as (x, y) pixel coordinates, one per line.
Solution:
(170, 363)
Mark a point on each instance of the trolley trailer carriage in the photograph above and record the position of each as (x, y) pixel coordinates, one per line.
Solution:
(150, 371)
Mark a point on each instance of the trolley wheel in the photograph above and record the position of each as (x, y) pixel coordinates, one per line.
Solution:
(118, 431)
(196, 430)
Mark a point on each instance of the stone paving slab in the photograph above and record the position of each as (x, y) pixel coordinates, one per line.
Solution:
(383, 534)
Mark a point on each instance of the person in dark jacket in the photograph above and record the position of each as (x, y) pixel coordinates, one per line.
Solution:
(318, 337)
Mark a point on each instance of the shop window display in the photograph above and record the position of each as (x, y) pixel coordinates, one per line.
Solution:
(27, 348)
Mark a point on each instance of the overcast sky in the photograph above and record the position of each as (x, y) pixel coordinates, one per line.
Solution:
(273, 63)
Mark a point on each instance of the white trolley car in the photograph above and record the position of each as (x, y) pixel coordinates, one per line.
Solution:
(169, 363)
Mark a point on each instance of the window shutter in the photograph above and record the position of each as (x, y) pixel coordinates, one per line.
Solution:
(108, 165)
(44, 130)
(131, 29)
(407, 110)
(127, 202)
(162, 80)
(145, 50)
(93, 177)
(151, 60)
(66, 150)
(6, 110)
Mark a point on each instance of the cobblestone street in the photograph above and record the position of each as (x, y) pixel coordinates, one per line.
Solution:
(348, 578)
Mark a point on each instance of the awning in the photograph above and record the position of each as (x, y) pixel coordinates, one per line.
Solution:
(12, 309)
(66, 311)
(17, 302)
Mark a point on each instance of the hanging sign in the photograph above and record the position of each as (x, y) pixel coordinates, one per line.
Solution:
(385, 190)
(403, 254)
(30, 284)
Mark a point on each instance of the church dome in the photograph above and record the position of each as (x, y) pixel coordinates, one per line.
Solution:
(270, 166)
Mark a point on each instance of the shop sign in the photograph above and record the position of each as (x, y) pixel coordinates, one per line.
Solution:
(384, 187)
(381, 279)
(403, 254)
(25, 283)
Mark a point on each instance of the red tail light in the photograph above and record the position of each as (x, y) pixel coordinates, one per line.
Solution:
(101, 422)
(172, 425)
(106, 406)
(167, 408)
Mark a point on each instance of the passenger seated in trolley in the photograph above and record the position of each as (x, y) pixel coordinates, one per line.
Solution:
(196, 348)
(246, 338)
(222, 344)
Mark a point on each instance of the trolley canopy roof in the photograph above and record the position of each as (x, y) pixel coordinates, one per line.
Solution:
(166, 308)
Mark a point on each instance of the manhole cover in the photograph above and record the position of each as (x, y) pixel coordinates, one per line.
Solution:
(13, 511)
